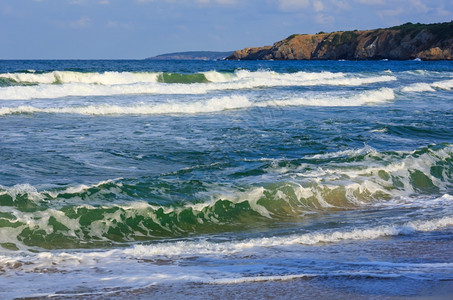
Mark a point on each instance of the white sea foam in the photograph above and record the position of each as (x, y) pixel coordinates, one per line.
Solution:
(352, 152)
(193, 248)
(114, 83)
(368, 97)
(204, 261)
(272, 78)
(62, 77)
(418, 87)
(21, 189)
(82, 188)
(241, 75)
(214, 76)
(429, 87)
(215, 104)
(79, 89)
(190, 248)
(380, 130)
(372, 179)
(259, 279)
(113, 78)
(420, 202)
(444, 84)
(207, 106)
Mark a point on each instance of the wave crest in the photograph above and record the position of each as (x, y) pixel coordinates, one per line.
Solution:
(216, 104)
(63, 83)
(291, 191)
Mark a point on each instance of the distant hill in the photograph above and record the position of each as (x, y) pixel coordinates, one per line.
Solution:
(193, 55)
(407, 41)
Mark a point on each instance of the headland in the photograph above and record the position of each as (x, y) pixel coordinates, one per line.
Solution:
(404, 42)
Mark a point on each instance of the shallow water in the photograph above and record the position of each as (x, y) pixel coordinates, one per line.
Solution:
(121, 175)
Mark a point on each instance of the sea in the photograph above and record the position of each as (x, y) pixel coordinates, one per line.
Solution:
(277, 179)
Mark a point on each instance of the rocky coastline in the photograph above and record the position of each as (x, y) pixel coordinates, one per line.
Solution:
(404, 42)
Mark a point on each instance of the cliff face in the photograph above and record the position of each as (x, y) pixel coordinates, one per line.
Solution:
(408, 41)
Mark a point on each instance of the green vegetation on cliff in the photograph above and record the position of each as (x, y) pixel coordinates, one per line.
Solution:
(440, 30)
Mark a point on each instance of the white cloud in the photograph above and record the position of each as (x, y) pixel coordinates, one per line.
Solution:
(418, 5)
(288, 5)
(371, 2)
(78, 2)
(341, 4)
(394, 12)
(324, 19)
(227, 2)
(82, 22)
(104, 2)
(317, 5)
(119, 25)
(223, 2)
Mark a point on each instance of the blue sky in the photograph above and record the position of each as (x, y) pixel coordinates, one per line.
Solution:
(84, 29)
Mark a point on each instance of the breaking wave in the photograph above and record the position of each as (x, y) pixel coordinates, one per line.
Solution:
(57, 84)
(429, 87)
(184, 249)
(124, 211)
(64, 77)
(216, 104)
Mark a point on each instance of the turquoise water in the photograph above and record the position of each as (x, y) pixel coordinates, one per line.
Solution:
(126, 174)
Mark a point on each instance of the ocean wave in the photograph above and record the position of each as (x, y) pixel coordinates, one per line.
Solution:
(114, 83)
(345, 153)
(364, 98)
(80, 89)
(429, 87)
(147, 267)
(328, 236)
(112, 78)
(260, 279)
(444, 84)
(418, 87)
(64, 77)
(358, 179)
(365, 172)
(182, 249)
(419, 202)
(216, 104)
(206, 106)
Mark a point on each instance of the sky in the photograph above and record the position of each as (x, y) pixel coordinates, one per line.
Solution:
(136, 29)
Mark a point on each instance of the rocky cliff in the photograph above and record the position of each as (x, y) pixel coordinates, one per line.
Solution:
(408, 41)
